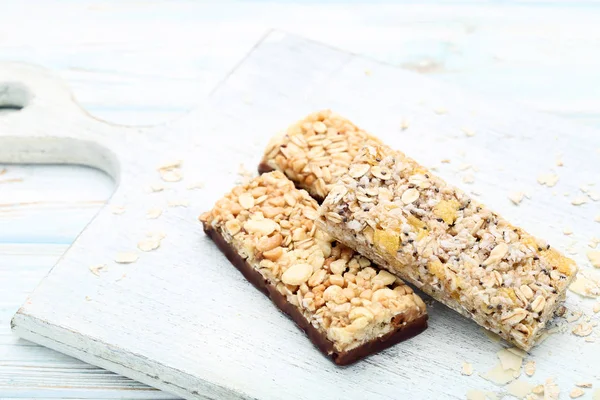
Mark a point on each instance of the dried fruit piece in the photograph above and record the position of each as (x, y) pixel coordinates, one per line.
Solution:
(388, 240)
(446, 210)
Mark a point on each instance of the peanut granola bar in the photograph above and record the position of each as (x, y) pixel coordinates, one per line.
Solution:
(348, 307)
(397, 213)
(315, 151)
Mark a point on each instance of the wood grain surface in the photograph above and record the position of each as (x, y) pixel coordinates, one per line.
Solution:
(148, 76)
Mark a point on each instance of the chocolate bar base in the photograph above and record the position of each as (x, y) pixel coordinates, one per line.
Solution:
(402, 330)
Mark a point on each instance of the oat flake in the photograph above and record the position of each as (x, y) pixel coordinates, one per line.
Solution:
(467, 369)
(579, 201)
(96, 269)
(594, 257)
(153, 213)
(516, 197)
(576, 392)
(548, 179)
(126, 257)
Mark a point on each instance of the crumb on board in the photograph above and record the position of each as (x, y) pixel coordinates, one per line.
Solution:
(467, 369)
(153, 213)
(577, 201)
(548, 179)
(468, 132)
(404, 124)
(516, 197)
(171, 171)
(117, 210)
(126, 257)
(178, 203)
(156, 187)
(530, 368)
(594, 257)
(96, 269)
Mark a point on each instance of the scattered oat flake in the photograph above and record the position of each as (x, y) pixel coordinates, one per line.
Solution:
(468, 132)
(559, 162)
(153, 213)
(568, 231)
(404, 124)
(516, 197)
(539, 389)
(596, 308)
(467, 369)
(195, 185)
(519, 388)
(576, 392)
(157, 187)
(594, 242)
(551, 390)
(586, 385)
(464, 167)
(597, 218)
(548, 179)
(447, 161)
(3, 171)
(530, 368)
(468, 178)
(574, 316)
(171, 175)
(499, 375)
(577, 201)
(510, 359)
(126, 257)
(583, 329)
(148, 244)
(88, 298)
(595, 196)
(594, 257)
(179, 203)
(117, 210)
(440, 110)
(368, 72)
(584, 286)
(96, 269)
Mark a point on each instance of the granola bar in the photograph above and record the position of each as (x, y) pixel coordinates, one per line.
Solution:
(315, 151)
(397, 213)
(348, 307)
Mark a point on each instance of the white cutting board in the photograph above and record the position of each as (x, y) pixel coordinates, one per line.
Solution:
(184, 320)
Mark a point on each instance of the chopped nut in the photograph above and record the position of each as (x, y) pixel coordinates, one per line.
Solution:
(467, 369)
(262, 226)
(126, 257)
(297, 274)
(576, 392)
(153, 213)
(96, 269)
(246, 200)
(548, 179)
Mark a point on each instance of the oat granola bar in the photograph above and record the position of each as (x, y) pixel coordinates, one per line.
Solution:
(315, 151)
(348, 307)
(397, 213)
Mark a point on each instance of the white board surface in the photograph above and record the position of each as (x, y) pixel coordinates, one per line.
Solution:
(184, 320)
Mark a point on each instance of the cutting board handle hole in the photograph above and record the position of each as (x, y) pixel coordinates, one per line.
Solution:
(14, 96)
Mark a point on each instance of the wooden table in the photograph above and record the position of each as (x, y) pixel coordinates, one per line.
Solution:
(144, 62)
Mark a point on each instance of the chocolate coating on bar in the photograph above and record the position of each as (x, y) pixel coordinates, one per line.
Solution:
(400, 332)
